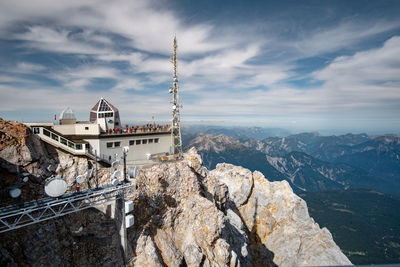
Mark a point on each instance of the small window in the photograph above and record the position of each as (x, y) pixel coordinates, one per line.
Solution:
(117, 144)
(110, 144)
(156, 140)
(71, 145)
(138, 142)
(150, 141)
(144, 141)
(63, 141)
(101, 115)
(78, 146)
(54, 137)
(131, 142)
(46, 133)
(86, 128)
(36, 130)
(117, 124)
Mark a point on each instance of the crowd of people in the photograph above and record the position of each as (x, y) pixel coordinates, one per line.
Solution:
(140, 129)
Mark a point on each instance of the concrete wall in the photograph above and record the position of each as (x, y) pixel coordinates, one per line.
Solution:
(137, 153)
(78, 129)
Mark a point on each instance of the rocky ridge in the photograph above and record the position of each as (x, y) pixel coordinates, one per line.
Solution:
(184, 215)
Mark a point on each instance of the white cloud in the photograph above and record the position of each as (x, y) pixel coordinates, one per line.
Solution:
(218, 68)
(367, 78)
(30, 67)
(52, 40)
(344, 35)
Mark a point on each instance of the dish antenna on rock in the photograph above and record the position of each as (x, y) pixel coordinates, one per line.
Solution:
(114, 182)
(80, 179)
(117, 174)
(133, 172)
(115, 164)
(15, 192)
(55, 187)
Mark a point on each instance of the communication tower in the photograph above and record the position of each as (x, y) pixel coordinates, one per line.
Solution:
(176, 137)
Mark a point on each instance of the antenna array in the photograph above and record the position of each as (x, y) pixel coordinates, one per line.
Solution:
(176, 137)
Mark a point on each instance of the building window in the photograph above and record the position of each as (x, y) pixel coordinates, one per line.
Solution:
(101, 115)
(63, 141)
(156, 140)
(150, 141)
(46, 133)
(78, 146)
(36, 130)
(144, 141)
(138, 142)
(110, 144)
(131, 142)
(86, 128)
(54, 137)
(117, 144)
(71, 145)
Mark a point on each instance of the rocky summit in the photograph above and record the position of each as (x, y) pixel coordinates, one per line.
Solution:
(185, 215)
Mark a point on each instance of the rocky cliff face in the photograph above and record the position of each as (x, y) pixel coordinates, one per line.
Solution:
(184, 214)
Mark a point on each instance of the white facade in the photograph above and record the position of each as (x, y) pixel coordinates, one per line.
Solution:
(78, 129)
(141, 147)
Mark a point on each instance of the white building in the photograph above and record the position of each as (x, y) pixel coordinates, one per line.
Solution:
(104, 136)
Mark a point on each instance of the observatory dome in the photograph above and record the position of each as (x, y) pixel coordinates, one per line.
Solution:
(67, 113)
(67, 116)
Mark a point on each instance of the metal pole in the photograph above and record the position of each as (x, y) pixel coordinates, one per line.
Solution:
(125, 180)
(123, 233)
(97, 174)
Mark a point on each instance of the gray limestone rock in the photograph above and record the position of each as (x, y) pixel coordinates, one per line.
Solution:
(184, 215)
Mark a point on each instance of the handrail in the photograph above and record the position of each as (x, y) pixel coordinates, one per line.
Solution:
(17, 216)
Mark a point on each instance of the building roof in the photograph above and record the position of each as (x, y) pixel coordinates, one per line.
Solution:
(103, 105)
(67, 113)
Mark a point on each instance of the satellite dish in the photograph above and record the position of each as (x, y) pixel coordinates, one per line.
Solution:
(15, 192)
(133, 172)
(173, 107)
(114, 182)
(126, 149)
(25, 174)
(90, 173)
(117, 174)
(80, 179)
(55, 187)
(115, 164)
(26, 179)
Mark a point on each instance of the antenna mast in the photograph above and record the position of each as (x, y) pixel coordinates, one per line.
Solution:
(176, 137)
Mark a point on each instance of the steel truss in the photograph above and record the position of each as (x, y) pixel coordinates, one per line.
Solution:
(17, 216)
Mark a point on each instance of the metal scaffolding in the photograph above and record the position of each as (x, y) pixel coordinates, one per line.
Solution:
(17, 216)
(176, 137)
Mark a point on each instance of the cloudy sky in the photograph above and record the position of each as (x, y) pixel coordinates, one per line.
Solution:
(301, 65)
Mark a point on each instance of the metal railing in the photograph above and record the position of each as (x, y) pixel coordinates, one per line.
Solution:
(17, 216)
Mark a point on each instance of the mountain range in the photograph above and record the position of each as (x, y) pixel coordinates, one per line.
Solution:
(309, 161)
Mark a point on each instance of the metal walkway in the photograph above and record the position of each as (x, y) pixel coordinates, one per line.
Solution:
(17, 216)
